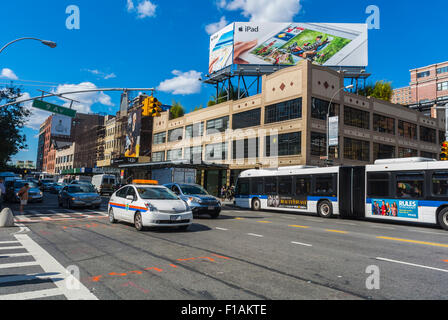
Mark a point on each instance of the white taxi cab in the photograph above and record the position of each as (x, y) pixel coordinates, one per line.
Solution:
(146, 204)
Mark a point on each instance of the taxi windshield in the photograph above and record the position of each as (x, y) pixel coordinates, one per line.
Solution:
(156, 193)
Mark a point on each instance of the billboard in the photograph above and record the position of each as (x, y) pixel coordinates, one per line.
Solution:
(221, 49)
(395, 208)
(326, 44)
(61, 125)
(132, 148)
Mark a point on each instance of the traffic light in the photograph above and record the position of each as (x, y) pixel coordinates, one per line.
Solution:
(146, 107)
(444, 151)
(151, 107)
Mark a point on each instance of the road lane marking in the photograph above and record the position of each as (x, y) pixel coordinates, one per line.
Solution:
(224, 229)
(8, 242)
(11, 248)
(336, 231)
(238, 218)
(10, 255)
(415, 241)
(255, 235)
(297, 226)
(18, 264)
(302, 244)
(411, 264)
(32, 294)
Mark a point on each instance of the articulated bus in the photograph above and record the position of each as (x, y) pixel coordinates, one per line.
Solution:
(405, 189)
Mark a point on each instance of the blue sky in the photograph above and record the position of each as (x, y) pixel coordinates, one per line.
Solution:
(142, 43)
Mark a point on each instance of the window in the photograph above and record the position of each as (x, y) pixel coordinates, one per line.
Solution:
(270, 185)
(158, 156)
(122, 192)
(440, 183)
(216, 151)
(356, 149)
(383, 124)
(409, 185)
(218, 125)
(429, 155)
(131, 192)
(175, 154)
(303, 186)
(319, 145)
(257, 186)
(423, 74)
(324, 185)
(407, 130)
(242, 186)
(283, 111)
(356, 118)
(285, 186)
(246, 119)
(407, 152)
(247, 148)
(159, 138)
(284, 144)
(175, 134)
(193, 153)
(378, 184)
(427, 134)
(442, 70)
(194, 130)
(383, 151)
(442, 86)
(319, 109)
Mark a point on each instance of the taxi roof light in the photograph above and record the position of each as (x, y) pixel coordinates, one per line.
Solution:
(142, 181)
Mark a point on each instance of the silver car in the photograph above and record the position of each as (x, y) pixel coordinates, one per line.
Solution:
(197, 198)
(79, 195)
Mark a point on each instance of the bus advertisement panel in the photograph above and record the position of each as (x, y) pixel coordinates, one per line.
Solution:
(296, 202)
(395, 208)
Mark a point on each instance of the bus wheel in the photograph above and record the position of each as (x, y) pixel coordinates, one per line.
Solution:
(442, 218)
(325, 209)
(256, 205)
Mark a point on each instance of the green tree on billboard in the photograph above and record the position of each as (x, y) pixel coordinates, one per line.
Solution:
(12, 120)
(381, 90)
(176, 110)
(222, 96)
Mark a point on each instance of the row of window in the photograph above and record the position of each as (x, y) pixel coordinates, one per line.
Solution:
(423, 74)
(442, 70)
(64, 159)
(407, 184)
(442, 86)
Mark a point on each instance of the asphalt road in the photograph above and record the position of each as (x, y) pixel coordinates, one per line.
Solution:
(241, 255)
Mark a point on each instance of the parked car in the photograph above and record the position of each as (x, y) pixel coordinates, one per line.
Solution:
(13, 187)
(104, 183)
(79, 195)
(197, 198)
(45, 184)
(57, 187)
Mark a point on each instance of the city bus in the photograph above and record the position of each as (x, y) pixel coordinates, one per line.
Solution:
(405, 189)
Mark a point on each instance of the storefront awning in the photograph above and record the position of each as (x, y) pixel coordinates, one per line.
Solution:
(178, 164)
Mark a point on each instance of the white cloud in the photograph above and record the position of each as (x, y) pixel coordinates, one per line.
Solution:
(86, 99)
(182, 83)
(8, 74)
(264, 10)
(101, 74)
(214, 27)
(145, 8)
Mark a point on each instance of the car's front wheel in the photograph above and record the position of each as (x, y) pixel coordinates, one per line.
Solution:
(138, 223)
(112, 216)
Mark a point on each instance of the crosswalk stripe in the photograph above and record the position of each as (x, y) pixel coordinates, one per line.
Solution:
(28, 277)
(11, 248)
(8, 242)
(11, 255)
(18, 264)
(32, 294)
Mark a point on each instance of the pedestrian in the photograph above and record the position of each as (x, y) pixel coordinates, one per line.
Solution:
(223, 192)
(23, 196)
(2, 193)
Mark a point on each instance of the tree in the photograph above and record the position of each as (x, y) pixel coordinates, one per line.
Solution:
(222, 96)
(380, 90)
(176, 110)
(198, 108)
(12, 120)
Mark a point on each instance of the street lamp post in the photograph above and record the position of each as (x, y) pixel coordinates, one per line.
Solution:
(328, 119)
(51, 44)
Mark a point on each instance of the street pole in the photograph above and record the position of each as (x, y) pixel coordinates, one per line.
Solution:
(51, 44)
(328, 119)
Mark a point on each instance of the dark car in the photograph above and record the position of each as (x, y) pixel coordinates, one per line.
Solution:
(45, 185)
(79, 195)
(57, 187)
(13, 187)
(199, 200)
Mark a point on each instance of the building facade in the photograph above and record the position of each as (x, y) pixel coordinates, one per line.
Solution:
(65, 157)
(285, 125)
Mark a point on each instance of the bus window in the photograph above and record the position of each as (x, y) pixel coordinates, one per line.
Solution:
(242, 186)
(409, 185)
(440, 183)
(324, 185)
(285, 186)
(270, 185)
(302, 186)
(378, 184)
(257, 186)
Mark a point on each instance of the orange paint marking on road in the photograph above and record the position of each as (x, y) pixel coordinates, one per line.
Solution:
(445, 260)
(96, 278)
(136, 271)
(118, 274)
(211, 259)
(186, 259)
(172, 265)
(219, 256)
(154, 268)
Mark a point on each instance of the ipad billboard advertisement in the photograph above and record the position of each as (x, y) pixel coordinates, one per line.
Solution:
(221, 49)
(326, 44)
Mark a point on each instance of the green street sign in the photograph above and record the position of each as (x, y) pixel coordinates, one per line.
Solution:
(39, 104)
